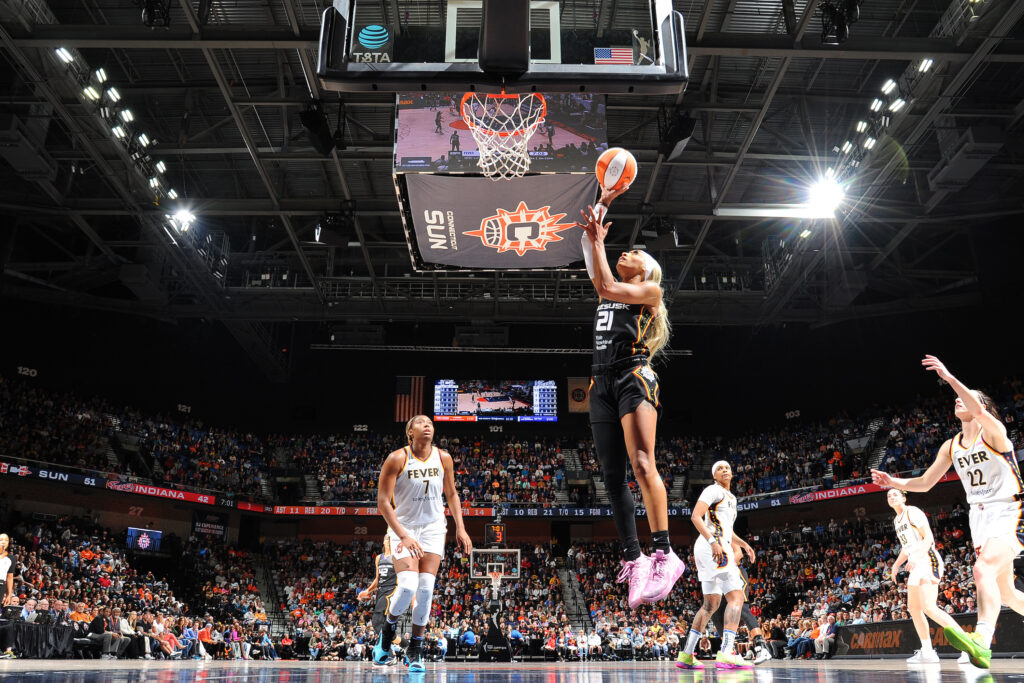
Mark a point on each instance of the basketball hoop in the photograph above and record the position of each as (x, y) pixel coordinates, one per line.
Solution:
(495, 578)
(502, 125)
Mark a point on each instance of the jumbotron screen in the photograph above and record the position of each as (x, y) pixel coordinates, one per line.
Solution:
(146, 540)
(478, 400)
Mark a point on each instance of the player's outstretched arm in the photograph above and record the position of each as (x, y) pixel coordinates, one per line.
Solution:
(995, 431)
(451, 494)
(648, 293)
(926, 481)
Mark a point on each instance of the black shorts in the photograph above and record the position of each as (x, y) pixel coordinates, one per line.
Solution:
(616, 393)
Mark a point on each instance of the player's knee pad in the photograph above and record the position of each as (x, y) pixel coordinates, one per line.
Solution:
(405, 588)
(424, 596)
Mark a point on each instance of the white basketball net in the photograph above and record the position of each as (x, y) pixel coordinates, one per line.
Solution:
(502, 126)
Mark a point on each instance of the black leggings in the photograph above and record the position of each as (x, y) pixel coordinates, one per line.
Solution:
(610, 445)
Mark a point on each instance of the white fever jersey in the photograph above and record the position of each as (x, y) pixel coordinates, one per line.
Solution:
(419, 488)
(721, 514)
(988, 476)
(911, 530)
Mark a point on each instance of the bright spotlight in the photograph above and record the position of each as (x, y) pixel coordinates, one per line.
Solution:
(824, 197)
(65, 55)
(889, 86)
(876, 104)
(805, 234)
(184, 218)
(127, 116)
(100, 75)
(161, 166)
(897, 104)
(925, 65)
(862, 126)
(172, 194)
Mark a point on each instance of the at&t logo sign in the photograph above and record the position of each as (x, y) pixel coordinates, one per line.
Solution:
(374, 39)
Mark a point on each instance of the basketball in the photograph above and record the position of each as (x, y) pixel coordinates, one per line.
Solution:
(616, 168)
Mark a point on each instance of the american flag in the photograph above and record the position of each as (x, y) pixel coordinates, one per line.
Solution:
(613, 55)
(408, 397)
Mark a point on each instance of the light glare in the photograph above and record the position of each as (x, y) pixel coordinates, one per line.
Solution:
(888, 87)
(824, 197)
(64, 55)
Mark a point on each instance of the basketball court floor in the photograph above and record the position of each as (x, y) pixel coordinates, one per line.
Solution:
(834, 671)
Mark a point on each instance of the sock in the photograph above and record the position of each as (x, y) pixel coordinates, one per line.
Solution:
(691, 642)
(926, 642)
(728, 638)
(387, 633)
(631, 549)
(416, 644)
(986, 630)
(659, 541)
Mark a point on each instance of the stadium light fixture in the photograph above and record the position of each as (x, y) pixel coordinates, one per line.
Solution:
(184, 218)
(897, 104)
(869, 143)
(143, 139)
(91, 93)
(112, 94)
(119, 132)
(127, 116)
(889, 86)
(805, 234)
(862, 126)
(847, 146)
(925, 64)
(824, 197)
(65, 55)
(171, 194)
(100, 75)
(154, 182)
(876, 104)
(161, 167)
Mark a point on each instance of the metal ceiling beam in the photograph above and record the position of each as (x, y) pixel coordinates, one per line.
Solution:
(243, 130)
(723, 188)
(263, 37)
(954, 88)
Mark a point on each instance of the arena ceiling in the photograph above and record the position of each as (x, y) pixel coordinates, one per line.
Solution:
(221, 97)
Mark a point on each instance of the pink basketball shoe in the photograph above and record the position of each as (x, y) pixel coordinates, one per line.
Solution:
(638, 573)
(665, 571)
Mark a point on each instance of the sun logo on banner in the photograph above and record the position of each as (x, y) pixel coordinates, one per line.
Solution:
(521, 230)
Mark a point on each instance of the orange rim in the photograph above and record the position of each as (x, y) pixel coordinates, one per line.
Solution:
(518, 131)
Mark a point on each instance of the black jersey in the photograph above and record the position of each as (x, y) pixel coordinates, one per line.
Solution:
(620, 331)
(387, 579)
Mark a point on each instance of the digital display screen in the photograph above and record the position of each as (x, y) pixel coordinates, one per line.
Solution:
(146, 540)
(494, 534)
(432, 137)
(475, 400)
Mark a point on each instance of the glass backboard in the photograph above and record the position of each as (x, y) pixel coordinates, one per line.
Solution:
(586, 46)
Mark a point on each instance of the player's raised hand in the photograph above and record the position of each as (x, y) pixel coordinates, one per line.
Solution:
(463, 541)
(592, 225)
(880, 478)
(936, 365)
(608, 195)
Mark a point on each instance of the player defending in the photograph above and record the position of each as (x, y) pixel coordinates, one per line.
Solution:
(630, 327)
(714, 516)
(409, 499)
(983, 457)
(925, 564)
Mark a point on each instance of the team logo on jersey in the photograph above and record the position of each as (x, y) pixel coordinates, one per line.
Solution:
(521, 230)
(648, 374)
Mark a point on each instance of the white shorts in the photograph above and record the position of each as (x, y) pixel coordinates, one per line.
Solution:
(430, 537)
(928, 568)
(1001, 519)
(715, 577)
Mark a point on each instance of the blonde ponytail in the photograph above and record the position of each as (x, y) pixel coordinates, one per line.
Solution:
(660, 330)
